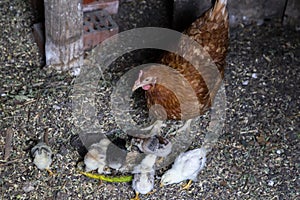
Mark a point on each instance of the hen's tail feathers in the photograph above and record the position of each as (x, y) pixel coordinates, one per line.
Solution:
(219, 10)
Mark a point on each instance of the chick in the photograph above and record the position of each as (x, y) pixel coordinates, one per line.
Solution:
(186, 167)
(42, 156)
(156, 145)
(96, 156)
(115, 157)
(143, 180)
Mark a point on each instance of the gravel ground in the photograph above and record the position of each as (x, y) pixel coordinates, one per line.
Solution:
(257, 157)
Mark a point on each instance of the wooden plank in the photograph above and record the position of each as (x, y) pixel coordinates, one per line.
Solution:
(292, 13)
(111, 6)
(8, 143)
(64, 34)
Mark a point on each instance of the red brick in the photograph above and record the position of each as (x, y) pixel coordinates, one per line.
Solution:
(98, 26)
(111, 6)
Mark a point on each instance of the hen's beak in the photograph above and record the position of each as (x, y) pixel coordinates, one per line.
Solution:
(161, 185)
(136, 85)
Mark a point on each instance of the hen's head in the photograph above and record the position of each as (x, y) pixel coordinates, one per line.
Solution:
(144, 81)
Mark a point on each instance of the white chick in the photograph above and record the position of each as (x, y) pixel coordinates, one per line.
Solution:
(116, 157)
(186, 167)
(143, 180)
(96, 156)
(42, 156)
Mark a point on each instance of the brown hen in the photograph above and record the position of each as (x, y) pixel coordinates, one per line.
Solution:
(183, 91)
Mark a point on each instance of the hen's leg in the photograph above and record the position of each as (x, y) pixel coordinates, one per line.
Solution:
(184, 128)
(158, 114)
(147, 132)
(154, 128)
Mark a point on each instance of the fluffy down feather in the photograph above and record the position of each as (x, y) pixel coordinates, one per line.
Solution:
(96, 156)
(42, 156)
(186, 167)
(143, 180)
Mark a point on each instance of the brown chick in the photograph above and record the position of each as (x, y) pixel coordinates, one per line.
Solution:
(182, 90)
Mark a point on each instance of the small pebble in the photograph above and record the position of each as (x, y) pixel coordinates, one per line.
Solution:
(260, 22)
(56, 107)
(245, 82)
(271, 183)
(278, 151)
(28, 187)
(254, 75)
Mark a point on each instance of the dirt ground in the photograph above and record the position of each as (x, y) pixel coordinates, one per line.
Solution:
(257, 156)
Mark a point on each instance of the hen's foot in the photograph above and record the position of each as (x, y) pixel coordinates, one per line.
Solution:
(154, 128)
(147, 132)
(184, 128)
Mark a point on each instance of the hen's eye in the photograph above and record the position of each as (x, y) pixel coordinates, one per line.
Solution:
(147, 79)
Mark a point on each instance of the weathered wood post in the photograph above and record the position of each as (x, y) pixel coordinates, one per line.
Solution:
(292, 13)
(64, 34)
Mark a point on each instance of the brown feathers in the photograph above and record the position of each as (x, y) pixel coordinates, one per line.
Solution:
(184, 90)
